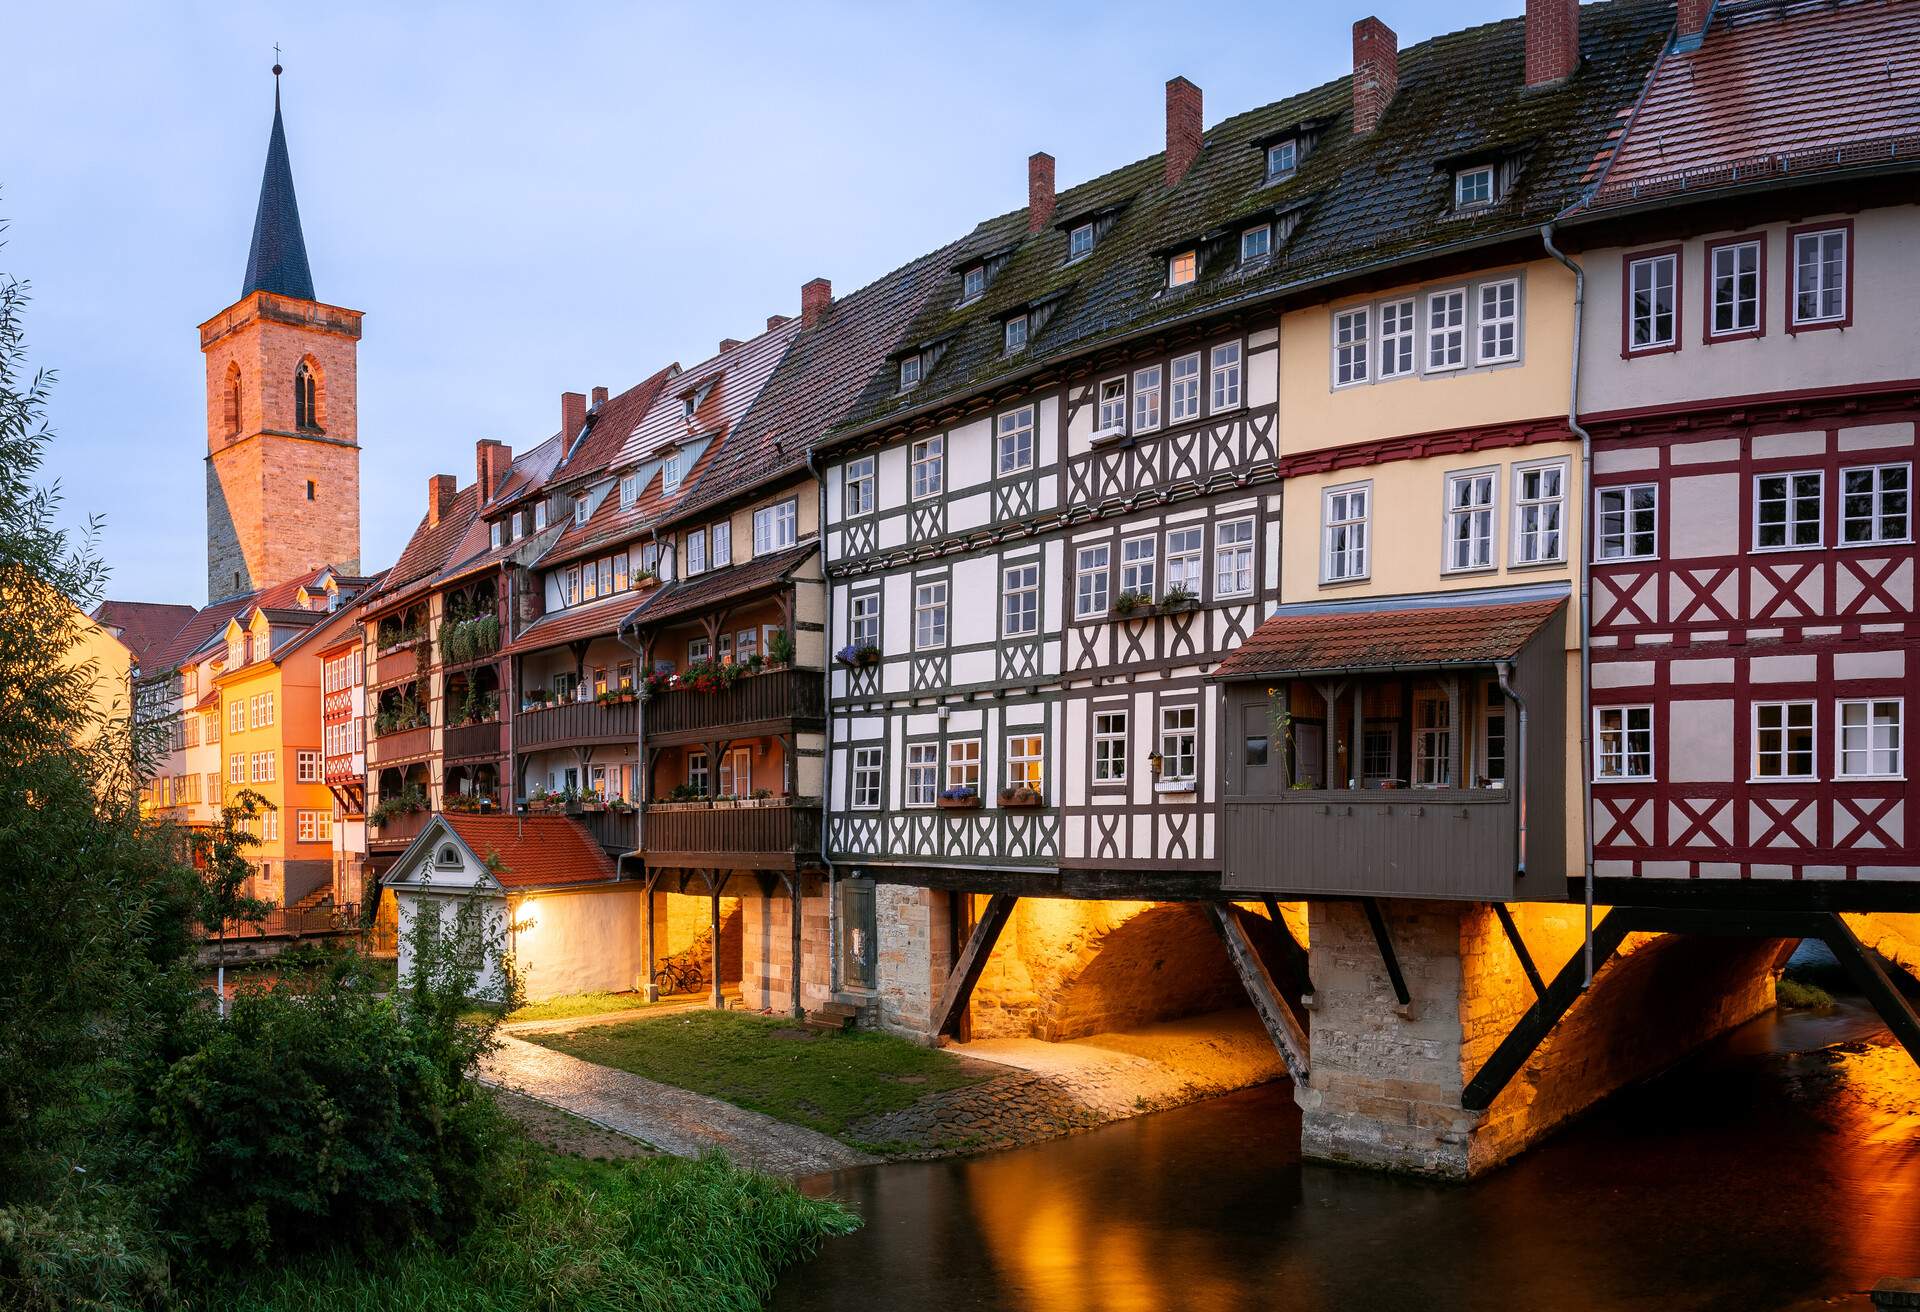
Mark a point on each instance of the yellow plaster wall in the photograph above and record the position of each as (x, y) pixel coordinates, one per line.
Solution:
(112, 663)
(1314, 415)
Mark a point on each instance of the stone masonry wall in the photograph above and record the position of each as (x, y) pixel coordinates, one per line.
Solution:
(1894, 935)
(913, 959)
(766, 982)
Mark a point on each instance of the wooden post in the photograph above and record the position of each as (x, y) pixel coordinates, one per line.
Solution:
(793, 889)
(1456, 735)
(1288, 1035)
(1356, 765)
(716, 998)
(648, 989)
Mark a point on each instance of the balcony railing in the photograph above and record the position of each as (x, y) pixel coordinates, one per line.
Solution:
(400, 830)
(615, 831)
(738, 837)
(755, 700)
(482, 739)
(1374, 842)
(576, 722)
(401, 745)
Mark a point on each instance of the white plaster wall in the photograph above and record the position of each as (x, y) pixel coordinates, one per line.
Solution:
(579, 942)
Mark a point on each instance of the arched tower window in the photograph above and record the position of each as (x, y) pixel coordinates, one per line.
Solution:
(231, 416)
(306, 398)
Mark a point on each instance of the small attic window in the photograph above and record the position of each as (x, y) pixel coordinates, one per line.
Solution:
(1014, 334)
(973, 283)
(1182, 268)
(580, 510)
(629, 491)
(910, 372)
(448, 856)
(1256, 244)
(1473, 187)
(1080, 241)
(670, 472)
(1283, 157)
(497, 533)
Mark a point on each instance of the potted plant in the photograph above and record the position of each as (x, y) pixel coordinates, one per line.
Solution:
(620, 806)
(1178, 598)
(780, 649)
(591, 800)
(959, 798)
(406, 802)
(858, 658)
(1132, 601)
(1021, 796)
(534, 699)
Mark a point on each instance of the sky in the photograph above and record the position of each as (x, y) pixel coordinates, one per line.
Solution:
(532, 199)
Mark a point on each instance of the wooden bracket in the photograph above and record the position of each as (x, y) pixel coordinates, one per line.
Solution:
(1285, 1029)
(1871, 980)
(1520, 948)
(1387, 955)
(973, 960)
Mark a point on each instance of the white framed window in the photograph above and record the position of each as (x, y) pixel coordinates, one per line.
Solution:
(1020, 601)
(1446, 330)
(1183, 395)
(1282, 158)
(963, 763)
(494, 535)
(1343, 515)
(1179, 744)
(1820, 277)
(736, 773)
(1182, 268)
(1539, 513)
(1014, 333)
(1470, 499)
(1185, 549)
(1025, 755)
(863, 620)
(1256, 244)
(973, 283)
(1079, 241)
(1015, 440)
(699, 778)
(1499, 321)
(930, 615)
(1783, 738)
(698, 649)
(697, 551)
(1139, 565)
(236, 767)
(1350, 333)
(539, 515)
(237, 715)
(670, 472)
(1623, 743)
(857, 496)
(1396, 338)
(776, 527)
(929, 466)
(1652, 294)
(579, 510)
(909, 372)
(1233, 558)
(1733, 280)
(1627, 518)
(1870, 738)
(719, 548)
(1432, 739)
(306, 766)
(923, 773)
(1091, 566)
(270, 824)
(629, 490)
(1113, 406)
(1786, 511)
(1473, 187)
(1873, 504)
(1146, 399)
(1379, 752)
(314, 826)
(1110, 747)
(1226, 376)
(866, 778)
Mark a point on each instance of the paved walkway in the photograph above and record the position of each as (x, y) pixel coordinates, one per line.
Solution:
(673, 1120)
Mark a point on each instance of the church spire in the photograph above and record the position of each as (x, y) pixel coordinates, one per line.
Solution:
(277, 261)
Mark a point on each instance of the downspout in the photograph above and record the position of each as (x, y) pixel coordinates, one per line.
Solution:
(1505, 670)
(834, 982)
(1586, 590)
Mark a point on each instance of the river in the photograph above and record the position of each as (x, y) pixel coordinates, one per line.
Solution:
(1778, 1168)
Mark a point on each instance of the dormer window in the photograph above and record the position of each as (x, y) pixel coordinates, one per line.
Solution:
(497, 534)
(1256, 244)
(1080, 241)
(670, 473)
(687, 407)
(910, 372)
(1182, 268)
(1282, 158)
(539, 515)
(629, 491)
(580, 510)
(1015, 333)
(973, 283)
(1473, 187)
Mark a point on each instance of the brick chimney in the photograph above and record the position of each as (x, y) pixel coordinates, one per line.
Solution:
(775, 320)
(599, 396)
(815, 297)
(1553, 40)
(490, 460)
(728, 343)
(1183, 128)
(1040, 198)
(439, 497)
(1376, 73)
(1691, 28)
(573, 415)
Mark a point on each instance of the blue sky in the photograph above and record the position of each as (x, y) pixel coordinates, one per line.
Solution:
(526, 199)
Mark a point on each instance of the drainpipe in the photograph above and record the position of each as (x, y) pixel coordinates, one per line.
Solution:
(1505, 670)
(1586, 589)
(834, 981)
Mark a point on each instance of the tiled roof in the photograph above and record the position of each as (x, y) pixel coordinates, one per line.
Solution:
(688, 596)
(1378, 636)
(1775, 90)
(144, 626)
(277, 260)
(431, 547)
(741, 373)
(821, 375)
(545, 851)
(1366, 200)
(608, 428)
(598, 618)
(206, 626)
(611, 523)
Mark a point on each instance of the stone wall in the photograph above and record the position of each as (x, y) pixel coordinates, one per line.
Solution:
(766, 982)
(914, 958)
(683, 930)
(1894, 935)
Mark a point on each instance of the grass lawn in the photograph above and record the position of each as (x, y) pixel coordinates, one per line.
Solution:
(824, 1081)
(566, 1007)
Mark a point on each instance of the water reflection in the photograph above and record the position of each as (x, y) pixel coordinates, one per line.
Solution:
(1772, 1170)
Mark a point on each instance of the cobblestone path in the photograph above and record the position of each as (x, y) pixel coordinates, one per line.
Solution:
(673, 1120)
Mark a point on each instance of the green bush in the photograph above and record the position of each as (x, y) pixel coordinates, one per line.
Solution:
(77, 1259)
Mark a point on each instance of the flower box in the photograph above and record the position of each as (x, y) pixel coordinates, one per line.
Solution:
(1021, 797)
(858, 658)
(963, 802)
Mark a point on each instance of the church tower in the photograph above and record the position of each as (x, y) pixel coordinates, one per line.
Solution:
(283, 449)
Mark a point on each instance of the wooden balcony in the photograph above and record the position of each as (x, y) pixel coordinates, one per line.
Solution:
(399, 831)
(734, 837)
(617, 832)
(757, 704)
(572, 723)
(1376, 842)
(406, 745)
(463, 740)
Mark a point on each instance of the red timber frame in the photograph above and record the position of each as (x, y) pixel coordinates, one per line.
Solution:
(1747, 626)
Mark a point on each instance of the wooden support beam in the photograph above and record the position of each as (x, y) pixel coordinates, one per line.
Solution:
(716, 997)
(647, 929)
(793, 889)
(1283, 1027)
(1871, 980)
(1544, 1014)
(1520, 948)
(972, 960)
(1290, 947)
(1388, 956)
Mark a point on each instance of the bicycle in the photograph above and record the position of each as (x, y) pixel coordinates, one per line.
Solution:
(681, 976)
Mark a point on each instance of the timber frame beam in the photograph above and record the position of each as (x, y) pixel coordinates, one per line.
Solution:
(1283, 1025)
(971, 962)
(1388, 956)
